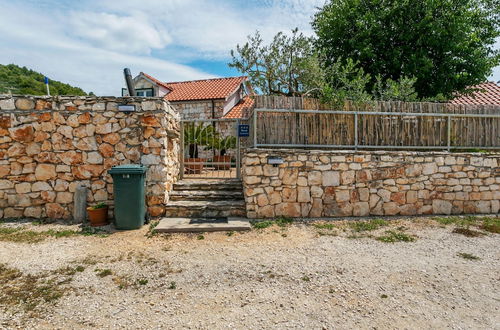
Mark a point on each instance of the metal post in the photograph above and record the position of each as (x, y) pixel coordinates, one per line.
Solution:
(238, 151)
(182, 151)
(255, 128)
(356, 131)
(449, 133)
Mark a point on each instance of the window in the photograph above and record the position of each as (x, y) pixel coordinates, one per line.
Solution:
(145, 92)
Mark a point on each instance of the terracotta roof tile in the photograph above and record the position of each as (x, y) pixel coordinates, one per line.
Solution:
(208, 89)
(488, 94)
(242, 109)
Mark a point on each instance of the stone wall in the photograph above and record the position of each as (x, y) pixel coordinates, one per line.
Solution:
(345, 183)
(51, 145)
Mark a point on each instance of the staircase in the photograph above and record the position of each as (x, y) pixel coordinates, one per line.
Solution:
(193, 198)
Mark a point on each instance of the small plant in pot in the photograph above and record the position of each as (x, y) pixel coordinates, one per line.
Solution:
(98, 215)
(196, 136)
(222, 146)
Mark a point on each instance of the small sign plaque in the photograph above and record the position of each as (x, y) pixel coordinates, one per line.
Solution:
(126, 107)
(243, 130)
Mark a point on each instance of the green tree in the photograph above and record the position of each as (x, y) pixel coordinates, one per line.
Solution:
(286, 66)
(445, 45)
(21, 80)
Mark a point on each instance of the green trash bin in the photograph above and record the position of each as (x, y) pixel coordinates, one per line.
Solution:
(130, 199)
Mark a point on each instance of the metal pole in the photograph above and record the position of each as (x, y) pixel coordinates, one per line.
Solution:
(255, 128)
(449, 133)
(356, 131)
(238, 151)
(182, 152)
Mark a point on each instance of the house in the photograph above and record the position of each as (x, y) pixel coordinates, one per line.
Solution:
(487, 93)
(219, 98)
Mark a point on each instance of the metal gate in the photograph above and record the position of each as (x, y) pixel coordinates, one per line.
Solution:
(210, 149)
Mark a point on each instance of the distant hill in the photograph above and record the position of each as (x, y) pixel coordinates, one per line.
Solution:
(19, 80)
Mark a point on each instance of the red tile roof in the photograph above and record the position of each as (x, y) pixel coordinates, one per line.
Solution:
(488, 94)
(208, 89)
(242, 109)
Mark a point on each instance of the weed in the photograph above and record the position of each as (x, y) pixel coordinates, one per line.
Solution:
(151, 231)
(468, 256)
(467, 232)
(305, 278)
(491, 225)
(446, 220)
(328, 226)
(104, 272)
(384, 296)
(80, 268)
(20, 235)
(283, 221)
(262, 224)
(230, 233)
(394, 236)
(200, 237)
(172, 285)
(327, 233)
(142, 281)
(370, 225)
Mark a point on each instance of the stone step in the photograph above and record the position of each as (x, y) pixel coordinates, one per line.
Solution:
(183, 225)
(209, 185)
(204, 208)
(206, 195)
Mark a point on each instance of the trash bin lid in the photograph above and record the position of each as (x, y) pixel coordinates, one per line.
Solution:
(128, 169)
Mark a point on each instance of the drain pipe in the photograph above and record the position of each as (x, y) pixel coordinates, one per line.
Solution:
(128, 80)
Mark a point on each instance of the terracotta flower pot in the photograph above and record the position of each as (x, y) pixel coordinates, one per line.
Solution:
(194, 168)
(98, 217)
(222, 159)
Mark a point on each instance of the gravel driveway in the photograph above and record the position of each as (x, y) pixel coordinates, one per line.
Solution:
(288, 276)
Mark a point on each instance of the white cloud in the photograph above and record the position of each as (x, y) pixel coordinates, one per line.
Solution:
(131, 34)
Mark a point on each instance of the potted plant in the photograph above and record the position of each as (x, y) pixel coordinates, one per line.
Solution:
(196, 136)
(98, 214)
(222, 145)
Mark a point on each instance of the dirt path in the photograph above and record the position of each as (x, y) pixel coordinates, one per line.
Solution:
(295, 276)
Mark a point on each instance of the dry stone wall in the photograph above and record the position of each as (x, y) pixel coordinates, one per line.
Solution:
(51, 145)
(343, 183)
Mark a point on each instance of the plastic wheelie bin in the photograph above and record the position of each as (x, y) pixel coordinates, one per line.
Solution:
(130, 199)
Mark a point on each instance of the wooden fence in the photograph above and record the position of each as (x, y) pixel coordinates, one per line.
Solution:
(302, 122)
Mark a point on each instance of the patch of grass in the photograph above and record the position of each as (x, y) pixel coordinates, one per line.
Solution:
(172, 286)
(281, 222)
(104, 272)
(200, 237)
(305, 278)
(230, 233)
(467, 232)
(21, 235)
(359, 226)
(491, 225)
(395, 236)
(326, 225)
(384, 296)
(151, 231)
(80, 268)
(468, 256)
(328, 233)
(27, 292)
(446, 220)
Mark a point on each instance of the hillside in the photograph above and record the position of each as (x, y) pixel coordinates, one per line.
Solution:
(21, 80)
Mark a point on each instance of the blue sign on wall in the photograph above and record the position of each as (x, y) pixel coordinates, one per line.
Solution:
(243, 130)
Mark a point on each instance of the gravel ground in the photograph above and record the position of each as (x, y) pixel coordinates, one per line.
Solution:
(296, 276)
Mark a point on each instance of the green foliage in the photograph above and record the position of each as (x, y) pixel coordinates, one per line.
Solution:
(100, 205)
(327, 225)
(196, 136)
(395, 236)
(262, 224)
(444, 45)
(222, 145)
(491, 224)
(21, 80)
(374, 224)
(286, 66)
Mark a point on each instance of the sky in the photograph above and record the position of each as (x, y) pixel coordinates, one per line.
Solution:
(87, 43)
